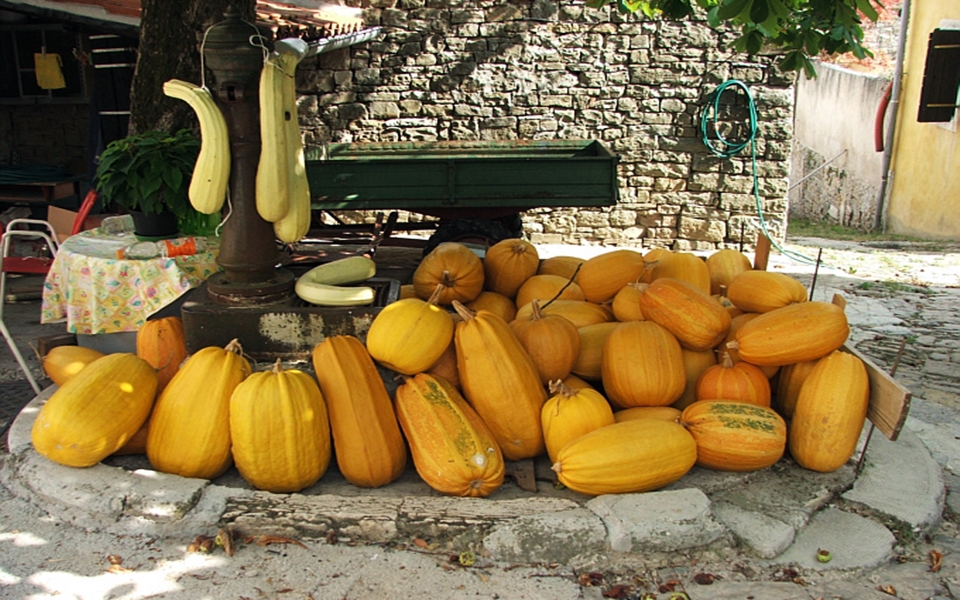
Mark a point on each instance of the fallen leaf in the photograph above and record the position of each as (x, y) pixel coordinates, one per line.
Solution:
(266, 540)
(225, 539)
(590, 579)
(704, 578)
(420, 543)
(936, 561)
(117, 569)
(114, 559)
(887, 589)
(669, 586)
(619, 591)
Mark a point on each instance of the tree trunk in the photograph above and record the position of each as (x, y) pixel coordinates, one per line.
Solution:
(171, 34)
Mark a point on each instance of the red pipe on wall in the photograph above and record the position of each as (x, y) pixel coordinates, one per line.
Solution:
(881, 115)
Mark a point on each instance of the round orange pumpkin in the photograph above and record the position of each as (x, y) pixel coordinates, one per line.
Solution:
(507, 264)
(740, 382)
(455, 267)
(161, 342)
(642, 365)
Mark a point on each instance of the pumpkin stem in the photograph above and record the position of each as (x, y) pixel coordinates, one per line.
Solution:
(234, 346)
(537, 313)
(726, 361)
(435, 296)
(446, 280)
(556, 468)
(277, 367)
(465, 313)
(565, 286)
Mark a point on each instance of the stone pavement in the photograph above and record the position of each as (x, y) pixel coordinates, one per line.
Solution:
(755, 535)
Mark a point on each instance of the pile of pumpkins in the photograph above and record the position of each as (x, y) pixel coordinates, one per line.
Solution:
(626, 369)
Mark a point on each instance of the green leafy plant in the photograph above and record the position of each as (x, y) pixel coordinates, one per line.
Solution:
(148, 172)
(799, 29)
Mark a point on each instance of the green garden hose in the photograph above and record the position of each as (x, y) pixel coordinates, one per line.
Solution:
(724, 148)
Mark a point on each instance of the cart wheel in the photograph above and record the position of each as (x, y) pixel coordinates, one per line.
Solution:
(468, 230)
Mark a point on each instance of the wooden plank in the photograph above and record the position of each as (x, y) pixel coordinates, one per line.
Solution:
(889, 401)
(762, 254)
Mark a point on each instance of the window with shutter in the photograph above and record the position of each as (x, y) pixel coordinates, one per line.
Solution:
(941, 77)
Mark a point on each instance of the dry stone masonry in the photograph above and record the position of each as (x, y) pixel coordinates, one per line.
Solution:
(537, 69)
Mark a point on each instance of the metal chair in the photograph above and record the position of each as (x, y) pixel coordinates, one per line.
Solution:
(44, 241)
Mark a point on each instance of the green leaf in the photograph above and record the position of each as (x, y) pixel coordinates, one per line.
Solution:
(759, 11)
(866, 7)
(731, 9)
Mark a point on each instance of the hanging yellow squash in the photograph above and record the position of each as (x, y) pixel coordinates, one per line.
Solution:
(280, 431)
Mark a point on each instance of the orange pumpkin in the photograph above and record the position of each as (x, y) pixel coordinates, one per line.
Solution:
(626, 304)
(740, 382)
(602, 276)
(724, 265)
(789, 383)
(495, 303)
(507, 264)
(455, 267)
(665, 413)
(546, 288)
(794, 333)
(161, 343)
(830, 413)
(642, 365)
(735, 436)
(579, 312)
(694, 363)
(63, 362)
(685, 266)
(697, 320)
(565, 266)
(500, 381)
(589, 363)
(552, 342)
(763, 291)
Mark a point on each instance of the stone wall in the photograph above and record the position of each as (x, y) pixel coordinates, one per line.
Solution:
(536, 69)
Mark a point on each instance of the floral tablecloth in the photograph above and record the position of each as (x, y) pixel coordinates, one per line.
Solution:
(98, 293)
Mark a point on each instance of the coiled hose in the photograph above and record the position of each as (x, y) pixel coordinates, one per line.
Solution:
(724, 148)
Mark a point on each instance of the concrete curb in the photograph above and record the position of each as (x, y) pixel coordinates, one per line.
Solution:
(780, 513)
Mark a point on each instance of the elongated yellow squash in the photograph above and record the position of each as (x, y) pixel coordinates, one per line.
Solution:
(189, 431)
(280, 431)
(95, 412)
(369, 446)
(638, 455)
(453, 449)
(500, 381)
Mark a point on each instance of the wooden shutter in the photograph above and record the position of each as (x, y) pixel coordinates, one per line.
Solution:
(941, 77)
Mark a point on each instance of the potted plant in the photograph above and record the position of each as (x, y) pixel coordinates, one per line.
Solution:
(147, 175)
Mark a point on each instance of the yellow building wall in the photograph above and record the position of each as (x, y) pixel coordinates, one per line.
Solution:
(924, 200)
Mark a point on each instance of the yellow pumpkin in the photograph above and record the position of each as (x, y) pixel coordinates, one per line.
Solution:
(570, 413)
(495, 303)
(684, 266)
(763, 291)
(453, 266)
(794, 333)
(695, 318)
(830, 412)
(602, 276)
(642, 365)
(410, 335)
(740, 382)
(626, 304)
(507, 264)
(694, 363)
(161, 343)
(567, 267)
(453, 450)
(280, 431)
(446, 365)
(579, 312)
(589, 363)
(500, 381)
(369, 446)
(652, 259)
(789, 383)
(731, 349)
(552, 342)
(724, 265)
(547, 287)
(189, 432)
(735, 436)
(95, 412)
(665, 413)
(63, 362)
(639, 455)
